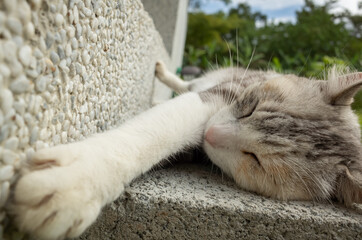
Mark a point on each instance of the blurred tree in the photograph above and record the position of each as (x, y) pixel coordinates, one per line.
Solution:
(302, 48)
(196, 4)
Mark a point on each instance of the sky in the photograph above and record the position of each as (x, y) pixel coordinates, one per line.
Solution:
(278, 10)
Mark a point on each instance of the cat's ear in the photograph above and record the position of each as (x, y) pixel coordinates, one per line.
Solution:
(342, 88)
(349, 185)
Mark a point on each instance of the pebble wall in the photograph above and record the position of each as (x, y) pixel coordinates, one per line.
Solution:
(69, 69)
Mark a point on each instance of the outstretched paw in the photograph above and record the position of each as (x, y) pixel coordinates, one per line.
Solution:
(55, 198)
(160, 70)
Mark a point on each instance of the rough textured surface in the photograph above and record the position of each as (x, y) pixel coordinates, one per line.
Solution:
(192, 201)
(69, 69)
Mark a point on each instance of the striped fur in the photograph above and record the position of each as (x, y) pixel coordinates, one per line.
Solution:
(285, 136)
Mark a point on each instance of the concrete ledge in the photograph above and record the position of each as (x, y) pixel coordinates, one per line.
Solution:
(191, 201)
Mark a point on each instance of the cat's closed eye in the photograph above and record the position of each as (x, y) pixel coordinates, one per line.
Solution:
(248, 112)
(253, 156)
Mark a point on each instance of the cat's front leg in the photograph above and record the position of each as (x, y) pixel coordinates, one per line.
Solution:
(65, 187)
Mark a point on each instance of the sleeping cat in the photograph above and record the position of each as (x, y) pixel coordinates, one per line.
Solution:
(278, 135)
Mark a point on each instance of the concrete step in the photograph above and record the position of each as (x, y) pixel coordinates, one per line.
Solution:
(194, 201)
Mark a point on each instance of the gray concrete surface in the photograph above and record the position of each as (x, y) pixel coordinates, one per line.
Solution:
(194, 201)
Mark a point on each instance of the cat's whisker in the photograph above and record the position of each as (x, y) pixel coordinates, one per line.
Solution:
(247, 68)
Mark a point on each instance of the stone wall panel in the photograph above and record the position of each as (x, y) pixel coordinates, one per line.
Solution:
(69, 69)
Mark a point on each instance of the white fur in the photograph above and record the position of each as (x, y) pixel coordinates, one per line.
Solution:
(85, 176)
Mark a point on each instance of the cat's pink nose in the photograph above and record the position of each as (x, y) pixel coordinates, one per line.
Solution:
(210, 137)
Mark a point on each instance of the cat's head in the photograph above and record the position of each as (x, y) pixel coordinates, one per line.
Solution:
(292, 138)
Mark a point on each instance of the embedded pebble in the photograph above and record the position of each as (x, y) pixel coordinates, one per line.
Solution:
(9, 157)
(10, 5)
(9, 50)
(54, 57)
(24, 11)
(6, 173)
(38, 54)
(12, 143)
(20, 85)
(79, 30)
(34, 135)
(29, 30)
(25, 55)
(15, 25)
(59, 19)
(7, 100)
(49, 40)
(4, 71)
(74, 43)
(16, 68)
(61, 52)
(85, 57)
(57, 38)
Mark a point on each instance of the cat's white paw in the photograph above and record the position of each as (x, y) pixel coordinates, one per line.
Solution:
(160, 70)
(56, 197)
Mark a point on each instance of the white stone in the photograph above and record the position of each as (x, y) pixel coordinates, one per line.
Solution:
(42, 44)
(29, 30)
(6, 173)
(32, 73)
(74, 43)
(11, 143)
(71, 31)
(9, 49)
(38, 54)
(25, 53)
(56, 139)
(7, 100)
(4, 70)
(87, 12)
(24, 11)
(16, 68)
(85, 57)
(20, 85)
(64, 137)
(75, 14)
(14, 25)
(9, 157)
(59, 19)
(68, 50)
(39, 145)
(19, 106)
(10, 5)
(94, 23)
(43, 134)
(34, 135)
(54, 57)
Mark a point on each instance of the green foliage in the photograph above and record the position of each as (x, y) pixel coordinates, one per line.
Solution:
(318, 40)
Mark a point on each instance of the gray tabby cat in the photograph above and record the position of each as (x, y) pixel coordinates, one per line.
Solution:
(281, 136)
